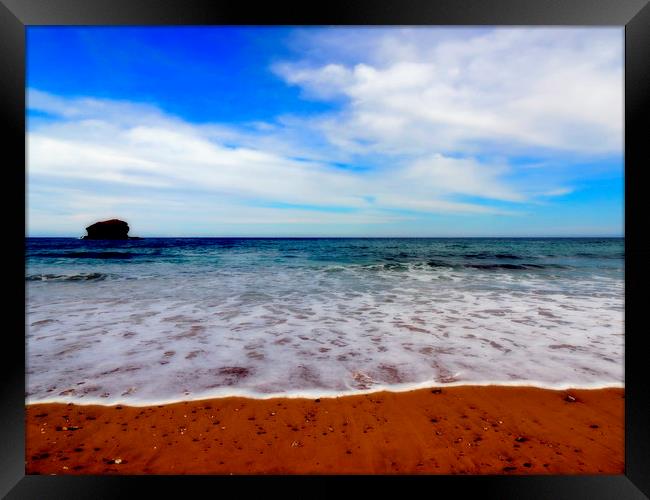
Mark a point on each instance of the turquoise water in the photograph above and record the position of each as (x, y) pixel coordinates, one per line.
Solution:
(166, 319)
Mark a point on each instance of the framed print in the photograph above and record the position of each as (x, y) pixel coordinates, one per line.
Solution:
(368, 241)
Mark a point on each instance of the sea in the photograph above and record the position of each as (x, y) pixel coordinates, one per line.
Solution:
(157, 320)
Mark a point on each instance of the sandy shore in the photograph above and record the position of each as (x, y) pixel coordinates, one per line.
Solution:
(456, 430)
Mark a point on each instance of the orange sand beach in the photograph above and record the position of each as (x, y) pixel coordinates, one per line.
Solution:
(454, 430)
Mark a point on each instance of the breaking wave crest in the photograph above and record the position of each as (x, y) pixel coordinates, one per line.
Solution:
(67, 277)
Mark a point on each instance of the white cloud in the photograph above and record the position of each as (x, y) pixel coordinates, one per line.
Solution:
(172, 153)
(142, 148)
(422, 91)
(441, 174)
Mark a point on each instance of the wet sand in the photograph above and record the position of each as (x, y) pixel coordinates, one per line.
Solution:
(456, 430)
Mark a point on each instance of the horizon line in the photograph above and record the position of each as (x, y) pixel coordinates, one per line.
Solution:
(343, 237)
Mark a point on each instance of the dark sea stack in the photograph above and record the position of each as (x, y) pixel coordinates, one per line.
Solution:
(113, 229)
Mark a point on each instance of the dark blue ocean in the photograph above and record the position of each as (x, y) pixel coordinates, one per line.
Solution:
(162, 319)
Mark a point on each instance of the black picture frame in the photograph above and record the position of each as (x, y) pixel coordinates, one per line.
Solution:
(634, 15)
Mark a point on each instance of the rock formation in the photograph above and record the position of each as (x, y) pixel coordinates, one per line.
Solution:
(113, 229)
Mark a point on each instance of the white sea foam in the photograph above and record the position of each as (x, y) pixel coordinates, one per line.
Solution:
(318, 332)
(321, 394)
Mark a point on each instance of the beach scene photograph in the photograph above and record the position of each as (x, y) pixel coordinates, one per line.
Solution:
(290, 250)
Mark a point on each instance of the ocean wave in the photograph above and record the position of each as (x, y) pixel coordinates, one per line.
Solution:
(486, 255)
(514, 267)
(443, 264)
(94, 254)
(440, 263)
(67, 277)
(589, 255)
(495, 266)
(88, 255)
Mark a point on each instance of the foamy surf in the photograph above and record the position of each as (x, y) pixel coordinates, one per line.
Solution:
(321, 318)
(224, 393)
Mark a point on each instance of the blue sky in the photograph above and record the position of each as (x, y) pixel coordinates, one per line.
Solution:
(302, 131)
